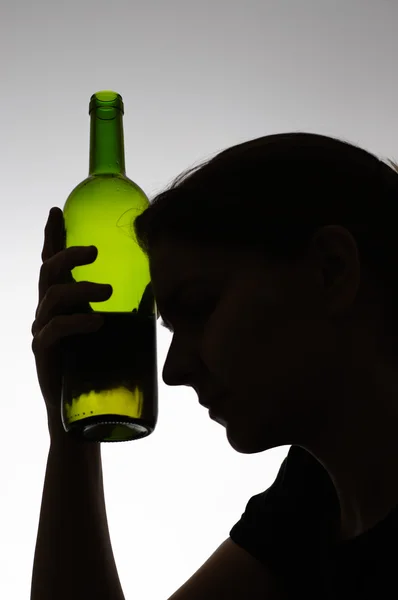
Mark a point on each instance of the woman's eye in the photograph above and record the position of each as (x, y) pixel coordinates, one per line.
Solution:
(199, 311)
(190, 314)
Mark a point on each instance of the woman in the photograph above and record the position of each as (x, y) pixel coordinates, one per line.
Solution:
(283, 251)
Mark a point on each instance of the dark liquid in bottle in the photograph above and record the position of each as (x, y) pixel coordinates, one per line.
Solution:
(110, 379)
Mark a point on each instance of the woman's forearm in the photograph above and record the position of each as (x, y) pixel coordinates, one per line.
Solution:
(73, 556)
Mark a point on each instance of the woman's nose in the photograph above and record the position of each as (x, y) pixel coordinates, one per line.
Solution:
(176, 368)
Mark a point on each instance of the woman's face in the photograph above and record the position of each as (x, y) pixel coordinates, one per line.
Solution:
(253, 338)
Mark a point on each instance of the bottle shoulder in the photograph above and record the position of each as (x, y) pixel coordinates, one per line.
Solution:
(110, 187)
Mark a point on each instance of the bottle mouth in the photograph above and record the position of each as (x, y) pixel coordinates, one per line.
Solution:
(105, 102)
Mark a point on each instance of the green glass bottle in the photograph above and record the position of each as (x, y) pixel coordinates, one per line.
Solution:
(109, 388)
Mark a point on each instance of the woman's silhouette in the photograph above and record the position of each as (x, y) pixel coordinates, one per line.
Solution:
(274, 264)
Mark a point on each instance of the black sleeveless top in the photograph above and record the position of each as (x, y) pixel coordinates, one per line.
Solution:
(291, 527)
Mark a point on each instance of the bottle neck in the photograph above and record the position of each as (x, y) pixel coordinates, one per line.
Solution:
(106, 142)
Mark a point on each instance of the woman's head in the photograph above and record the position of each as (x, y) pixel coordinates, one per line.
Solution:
(286, 247)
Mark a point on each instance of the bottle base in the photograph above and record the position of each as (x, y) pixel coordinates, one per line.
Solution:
(111, 429)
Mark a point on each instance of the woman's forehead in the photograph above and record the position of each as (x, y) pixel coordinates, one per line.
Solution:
(172, 265)
(171, 269)
(175, 260)
(176, 256)
(178, 266)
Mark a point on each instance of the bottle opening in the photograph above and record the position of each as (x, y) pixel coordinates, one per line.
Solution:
(107, 100)
(106, 96)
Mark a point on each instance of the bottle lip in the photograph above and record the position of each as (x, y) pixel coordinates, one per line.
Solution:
(106, 99)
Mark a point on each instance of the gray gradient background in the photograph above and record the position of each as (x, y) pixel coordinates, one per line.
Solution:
(195, 78)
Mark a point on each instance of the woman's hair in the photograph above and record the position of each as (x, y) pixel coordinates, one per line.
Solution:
(272, 193)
